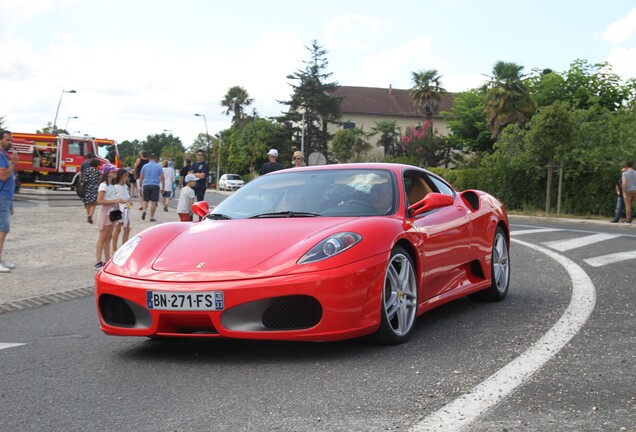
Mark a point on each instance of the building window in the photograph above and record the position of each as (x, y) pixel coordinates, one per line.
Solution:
(348, 125)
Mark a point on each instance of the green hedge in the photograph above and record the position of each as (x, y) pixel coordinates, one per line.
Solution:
(586, 191)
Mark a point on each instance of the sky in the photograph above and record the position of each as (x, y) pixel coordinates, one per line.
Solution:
(145, 67)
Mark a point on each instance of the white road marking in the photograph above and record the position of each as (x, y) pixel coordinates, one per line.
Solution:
(566, 245)
(460, 413)
(611, 258)
(533, 231)
(9, 345)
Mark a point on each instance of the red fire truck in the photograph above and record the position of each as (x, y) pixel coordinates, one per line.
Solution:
(55, 160)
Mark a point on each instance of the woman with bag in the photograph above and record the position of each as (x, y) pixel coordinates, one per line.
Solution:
(90, 179)
(109, 213)
(122, 192)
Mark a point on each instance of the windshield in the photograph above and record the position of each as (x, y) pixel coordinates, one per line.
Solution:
(233, 177)
(107, 150)
(346, 192)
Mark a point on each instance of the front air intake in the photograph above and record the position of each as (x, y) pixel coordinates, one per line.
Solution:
(292, 313)
(115, 311)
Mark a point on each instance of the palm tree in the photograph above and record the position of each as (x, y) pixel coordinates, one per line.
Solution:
(235, 101)
(427, 92)
(507, 98)
(389, 133)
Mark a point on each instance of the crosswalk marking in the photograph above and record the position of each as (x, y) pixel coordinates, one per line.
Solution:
(566, 245)
(9, 345)
(611, 258)
(533, 231)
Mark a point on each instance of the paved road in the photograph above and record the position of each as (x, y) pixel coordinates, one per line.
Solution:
(68, 376)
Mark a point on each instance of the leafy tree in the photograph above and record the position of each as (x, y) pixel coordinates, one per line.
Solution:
(468, 123)
(48, 129)
(550, 133)
(349, 143)
(507, 98)
(312, 101)
(247, 145)
(389, 136)
(129, 149)
(583, 86)
(427, 92)
(156, 144)
(236, 100)
(547, 87)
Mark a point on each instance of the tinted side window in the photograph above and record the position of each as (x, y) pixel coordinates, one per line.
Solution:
(442, 186)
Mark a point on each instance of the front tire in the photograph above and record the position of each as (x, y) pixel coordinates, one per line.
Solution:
(500, 270)
(399, 300)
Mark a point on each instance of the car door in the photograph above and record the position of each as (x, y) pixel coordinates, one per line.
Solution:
(445, 235)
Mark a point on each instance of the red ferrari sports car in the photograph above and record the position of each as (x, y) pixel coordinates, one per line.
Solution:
(315, 253)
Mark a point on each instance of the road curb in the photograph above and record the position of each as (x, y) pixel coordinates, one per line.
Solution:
(43, 300)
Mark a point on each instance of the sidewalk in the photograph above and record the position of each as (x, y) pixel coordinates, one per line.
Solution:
(53, 249)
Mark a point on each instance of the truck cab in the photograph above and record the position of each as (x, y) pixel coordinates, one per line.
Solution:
(55, 160)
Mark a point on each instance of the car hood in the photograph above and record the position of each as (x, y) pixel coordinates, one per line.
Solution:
(223, 250)
(233, 245)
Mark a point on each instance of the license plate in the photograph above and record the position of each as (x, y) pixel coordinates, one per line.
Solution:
(185, 301)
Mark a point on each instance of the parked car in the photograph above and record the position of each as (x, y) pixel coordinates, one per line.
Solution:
(230, 182)
(325, 252)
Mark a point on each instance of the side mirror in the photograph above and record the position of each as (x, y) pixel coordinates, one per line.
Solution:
(431, 201)
(201, 208)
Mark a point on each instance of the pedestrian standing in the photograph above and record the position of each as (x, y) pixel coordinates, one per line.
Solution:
(83, 167)
(272, 165)
(151, 180)
(168, 184)
(91, 182)
(629, 189)
(108, 201)
(186, 198)
(298, 159)
(620, 201)
(122, 192)
(8, 163)
(139, 164)
(200, 169)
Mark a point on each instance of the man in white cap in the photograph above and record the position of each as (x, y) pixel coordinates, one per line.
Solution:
(272, 165)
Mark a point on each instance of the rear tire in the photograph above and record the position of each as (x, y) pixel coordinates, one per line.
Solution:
(399, 300)
(500, 270)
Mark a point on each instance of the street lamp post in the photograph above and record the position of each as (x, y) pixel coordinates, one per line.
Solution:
(218, 163)
(67, 120)
(302, 126)
(58, 108)
(207, 139)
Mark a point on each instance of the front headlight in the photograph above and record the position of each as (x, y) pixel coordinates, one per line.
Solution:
(331, 246)
(124, 252)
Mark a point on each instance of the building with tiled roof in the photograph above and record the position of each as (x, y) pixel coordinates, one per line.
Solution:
(363, 107)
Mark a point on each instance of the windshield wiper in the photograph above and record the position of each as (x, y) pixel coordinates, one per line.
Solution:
(217, 216)
(288, 214)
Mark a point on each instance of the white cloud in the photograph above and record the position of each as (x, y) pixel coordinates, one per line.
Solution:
(460, 83)
(352, 31)
(388, 66)
(15, 12)
(139, 89)
(621, 30)
(623, 61)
